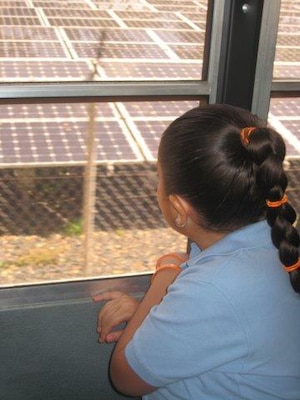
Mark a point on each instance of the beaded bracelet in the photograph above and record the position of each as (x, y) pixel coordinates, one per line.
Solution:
(175, 267)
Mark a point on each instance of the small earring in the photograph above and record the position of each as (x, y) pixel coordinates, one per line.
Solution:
(178, 223)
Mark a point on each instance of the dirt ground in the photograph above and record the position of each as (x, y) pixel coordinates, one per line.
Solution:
(32, 259)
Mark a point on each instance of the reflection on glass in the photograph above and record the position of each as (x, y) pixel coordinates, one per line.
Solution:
(120, 39)
(287, 57)
(78, 190)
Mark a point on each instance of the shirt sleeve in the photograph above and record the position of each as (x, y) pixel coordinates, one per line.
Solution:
(194, 329)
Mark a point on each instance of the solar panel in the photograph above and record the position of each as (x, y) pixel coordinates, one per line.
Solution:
(50, 142)
(55, 41)
(150, 70)
(83, 34)
(27, 33)
(19, 20)
(65, 5)
(119, 51)
(39, 49)
(20, 11)
(84, 22)
(37, 71)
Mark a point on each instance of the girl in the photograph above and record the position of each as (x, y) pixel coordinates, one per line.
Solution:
(224, 321)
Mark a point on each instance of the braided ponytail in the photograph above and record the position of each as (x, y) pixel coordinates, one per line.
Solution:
(227, 164)
(267, 149)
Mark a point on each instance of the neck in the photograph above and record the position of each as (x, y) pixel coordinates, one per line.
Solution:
(202, 237)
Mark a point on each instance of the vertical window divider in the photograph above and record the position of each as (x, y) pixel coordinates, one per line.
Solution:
(265, 58)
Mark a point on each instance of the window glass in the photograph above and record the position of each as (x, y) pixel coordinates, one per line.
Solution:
(284, 116)
(79, 40)
(287, 58)
(78, 190)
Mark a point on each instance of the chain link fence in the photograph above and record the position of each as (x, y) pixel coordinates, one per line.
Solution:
(70, 205)
(43, 201)
(78, 190)
(40, 201)
(44, 232)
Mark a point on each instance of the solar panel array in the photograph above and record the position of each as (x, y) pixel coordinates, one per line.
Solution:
(33, 34)
(50, 41)
(55, 134)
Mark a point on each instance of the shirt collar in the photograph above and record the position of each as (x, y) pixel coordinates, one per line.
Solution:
(254, 235)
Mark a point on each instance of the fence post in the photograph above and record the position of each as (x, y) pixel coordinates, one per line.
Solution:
(89, 196)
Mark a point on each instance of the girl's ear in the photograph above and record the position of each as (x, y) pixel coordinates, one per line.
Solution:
(180, 210)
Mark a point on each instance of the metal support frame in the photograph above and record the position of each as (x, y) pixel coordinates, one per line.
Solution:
(128, 90)
(103, 91)
(215, 48)
(265, 58)
(241, 29)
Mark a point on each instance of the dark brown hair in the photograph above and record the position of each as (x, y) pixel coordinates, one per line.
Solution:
(227, 182)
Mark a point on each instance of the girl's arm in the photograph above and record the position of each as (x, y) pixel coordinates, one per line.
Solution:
(123, 377)
(120, 307)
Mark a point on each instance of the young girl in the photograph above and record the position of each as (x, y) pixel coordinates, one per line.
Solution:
(224, 321)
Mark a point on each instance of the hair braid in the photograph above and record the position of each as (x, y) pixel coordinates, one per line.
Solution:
(226, 163)
(267, 149)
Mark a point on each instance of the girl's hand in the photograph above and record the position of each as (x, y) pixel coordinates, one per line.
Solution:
(119, 308)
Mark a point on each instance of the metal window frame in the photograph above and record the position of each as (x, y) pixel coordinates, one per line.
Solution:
(130, 90)
(210, 89)
(103, 91)
(77, 290)
(265, 87)
(14, 296)
(40, 293)
(242, 27)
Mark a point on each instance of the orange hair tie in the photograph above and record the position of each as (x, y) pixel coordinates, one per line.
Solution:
(169, 255)
(173, 267)
(274, 204)
(293, 267)
(245, 133)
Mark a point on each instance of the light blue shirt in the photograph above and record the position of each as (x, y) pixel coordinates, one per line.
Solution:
(229, 327)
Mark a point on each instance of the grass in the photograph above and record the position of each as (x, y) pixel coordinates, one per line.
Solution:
(38, 256)
(73, 228)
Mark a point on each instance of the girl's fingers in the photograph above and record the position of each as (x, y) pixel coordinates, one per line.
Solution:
(107, 296)
(113, 336)
(108, 317)
(118, 309)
